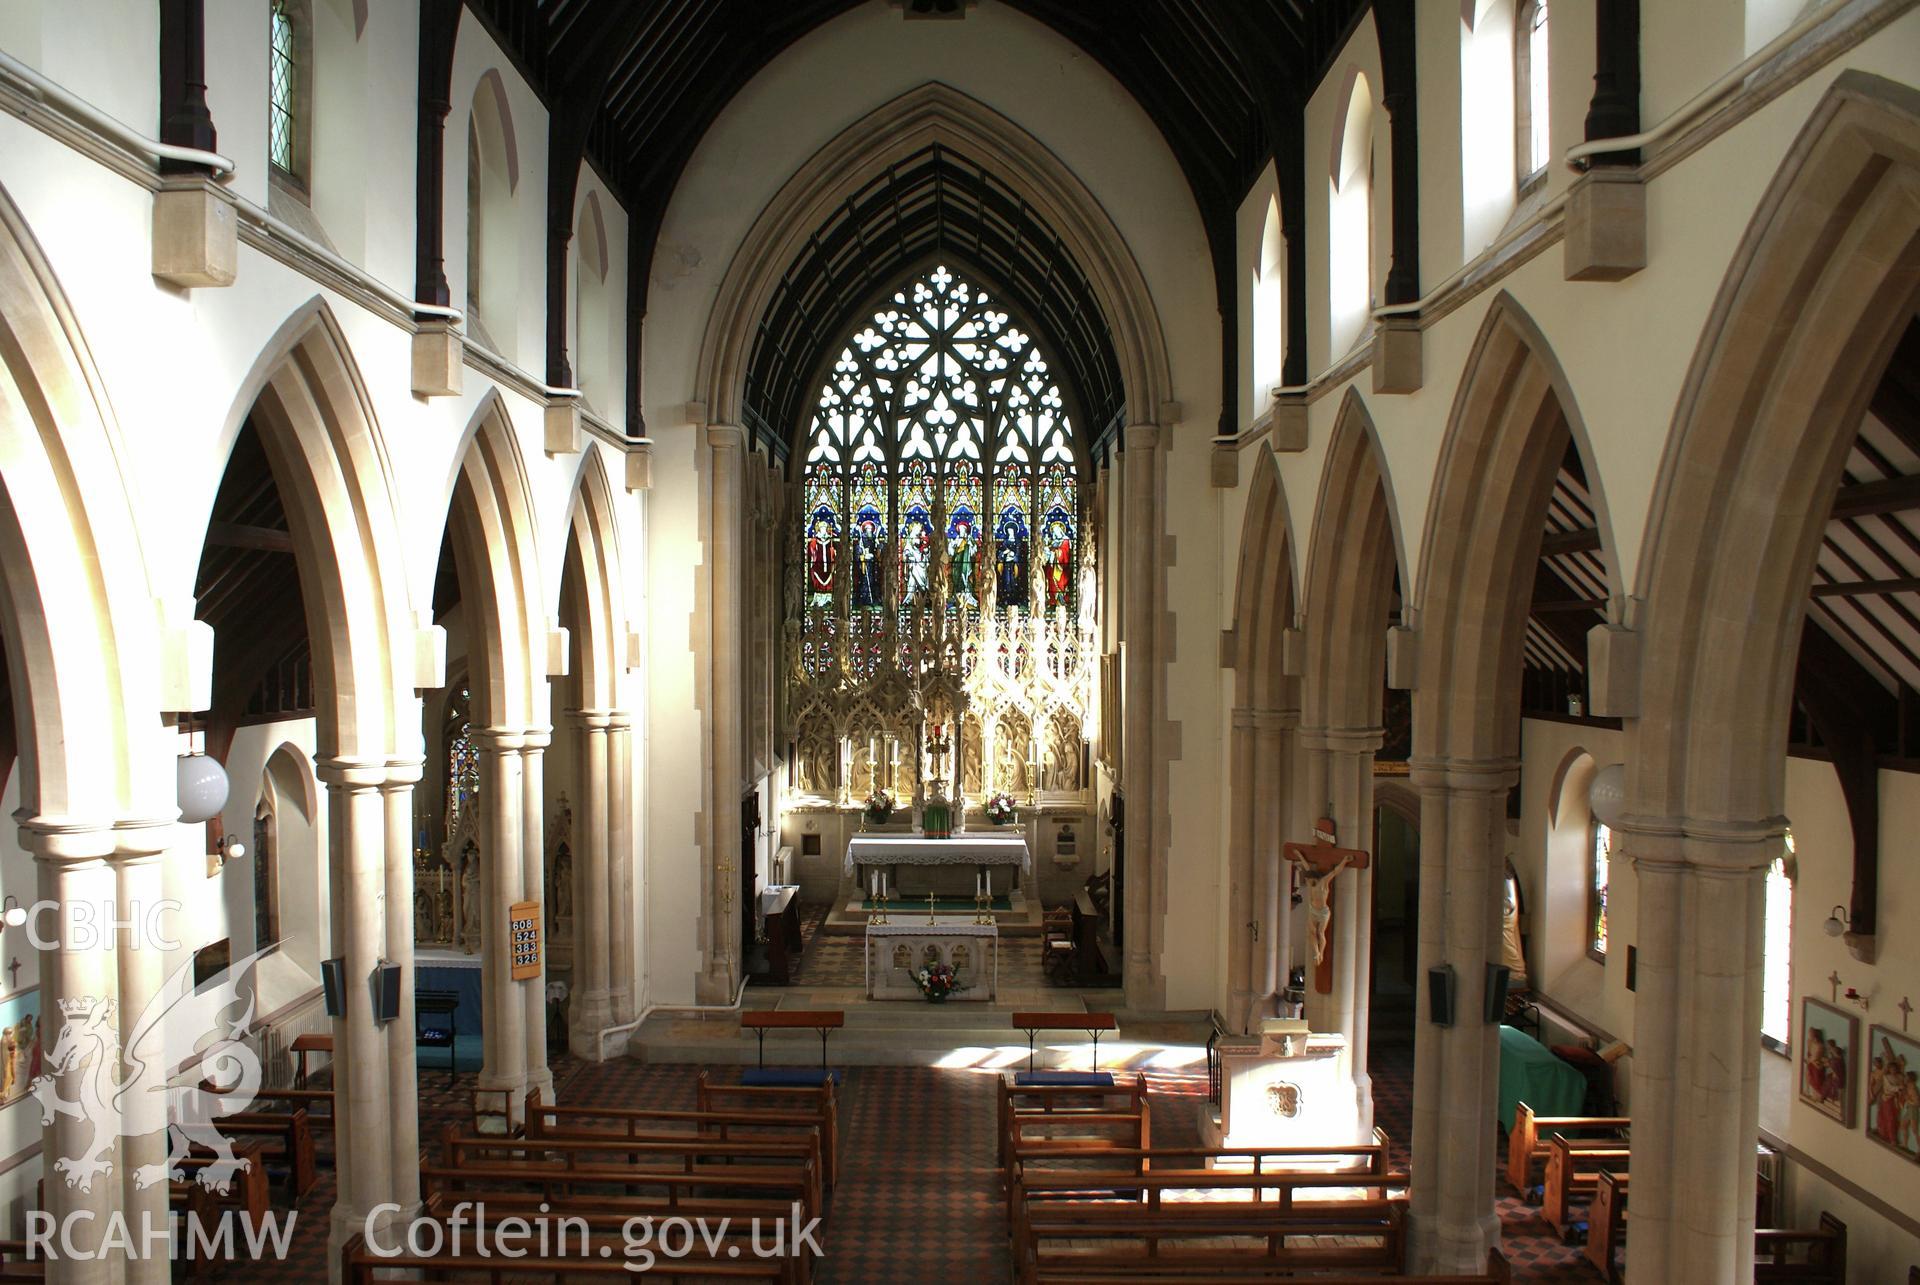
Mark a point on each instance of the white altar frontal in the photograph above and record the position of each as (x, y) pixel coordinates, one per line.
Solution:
(965, 865)
(1285, 1088)
(899, 947)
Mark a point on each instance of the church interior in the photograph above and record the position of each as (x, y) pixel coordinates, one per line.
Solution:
(1024, 640)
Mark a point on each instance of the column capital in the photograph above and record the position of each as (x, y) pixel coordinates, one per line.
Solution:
(1463, 775)
(350, 772)
(726, 437)
(505, 739)
(1343, 740)
(595, 720)
(403, 773)
(1265, 720)
(1703, 845)
(65, 838)
(537, 739)
(1143, 437)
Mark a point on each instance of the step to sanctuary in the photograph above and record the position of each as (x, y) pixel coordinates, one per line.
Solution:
(972, 1036)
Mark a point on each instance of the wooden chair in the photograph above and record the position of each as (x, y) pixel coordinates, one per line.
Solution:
(1818, 1257)
(436, 1023)
(1057, 946)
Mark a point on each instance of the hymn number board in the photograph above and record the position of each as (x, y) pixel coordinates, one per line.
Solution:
(523, 929)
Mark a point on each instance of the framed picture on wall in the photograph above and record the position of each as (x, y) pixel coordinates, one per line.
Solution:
(1893, 1090)
(19, 1044)
(1829, 1052)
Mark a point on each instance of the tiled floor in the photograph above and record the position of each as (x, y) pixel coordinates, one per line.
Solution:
(919, 1197)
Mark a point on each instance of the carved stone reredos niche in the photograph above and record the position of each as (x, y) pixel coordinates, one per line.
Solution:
(932, 115)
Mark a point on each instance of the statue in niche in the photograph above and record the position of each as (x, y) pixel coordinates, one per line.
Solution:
(470, 899)
(1009, 772)
(1063, 769)
(970, 758)
(562, 898)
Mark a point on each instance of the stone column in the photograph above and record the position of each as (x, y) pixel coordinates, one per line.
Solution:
(403, 1068)
(1146, 874)
(726, 455)
(533, 881)
(504, 1056)
(139, 890)
(1696, 1093)
(1349, 769)
(1457, 1068)
(70, 858)
(590, 1011)
(622, 982)
(1247, 968)
(1262, 750)
(363, 1125)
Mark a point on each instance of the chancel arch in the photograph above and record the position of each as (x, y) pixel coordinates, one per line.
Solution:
(1266, 720)
(1512, 435)
(1816, 301)
(782, 309)
(314, 422)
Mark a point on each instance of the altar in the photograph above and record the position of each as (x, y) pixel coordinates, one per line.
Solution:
(997, 862)
(896, 949)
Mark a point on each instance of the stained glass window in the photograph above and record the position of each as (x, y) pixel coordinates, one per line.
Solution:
(1597, 892)
(941, 422)
(463, 762)
(1776, 1005)
(281, 78)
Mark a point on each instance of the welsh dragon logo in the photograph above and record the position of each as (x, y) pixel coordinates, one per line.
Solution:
(173, 1025)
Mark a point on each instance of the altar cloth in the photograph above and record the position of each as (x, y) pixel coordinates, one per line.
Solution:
(961, 850)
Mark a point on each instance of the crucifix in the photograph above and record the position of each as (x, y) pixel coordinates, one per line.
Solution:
(1833, 982)
(1321, 861)
(1906, 1009)
(13, 977)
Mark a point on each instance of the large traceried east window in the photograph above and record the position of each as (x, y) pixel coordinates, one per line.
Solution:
(940, 558)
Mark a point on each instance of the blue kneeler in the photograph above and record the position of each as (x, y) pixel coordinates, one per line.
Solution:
(788, 1077)
(1065, 1079)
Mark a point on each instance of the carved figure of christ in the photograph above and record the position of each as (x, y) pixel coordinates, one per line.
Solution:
(1321, 861)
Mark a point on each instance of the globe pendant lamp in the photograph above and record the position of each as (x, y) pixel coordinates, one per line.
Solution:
(202, 788)
(1607, 796)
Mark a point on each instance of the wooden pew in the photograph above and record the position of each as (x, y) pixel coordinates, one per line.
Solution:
(821, 1101)
(16, 1266)
(1607, 1223)
(359, 1265)
(544, 1120)
(286, 1138)
(683, 1153)
(1818, 1257)
(1121, 1096)
(1527, 1141)
(1145, 1270)
(1204, 1221)
(823, 1021)
(1573, 1173)
(1094, 1024)
(1040, 1156)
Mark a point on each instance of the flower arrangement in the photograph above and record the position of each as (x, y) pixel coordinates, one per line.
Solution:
(880, 805)
(1001, 809)
(936, 982)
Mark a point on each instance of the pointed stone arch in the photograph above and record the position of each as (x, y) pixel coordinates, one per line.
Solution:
(1266, 715)
(1510, 428)
(97, 793)
(1354, 563)
(322, 439)
(934, 114)
(328, 458)
(491, 521)
(591, 603)
(1811, 307)
(1357, 553)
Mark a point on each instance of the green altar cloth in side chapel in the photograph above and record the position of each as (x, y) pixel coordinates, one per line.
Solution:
(1530, 1074)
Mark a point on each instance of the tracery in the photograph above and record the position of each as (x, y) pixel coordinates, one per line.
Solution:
(941, 572)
